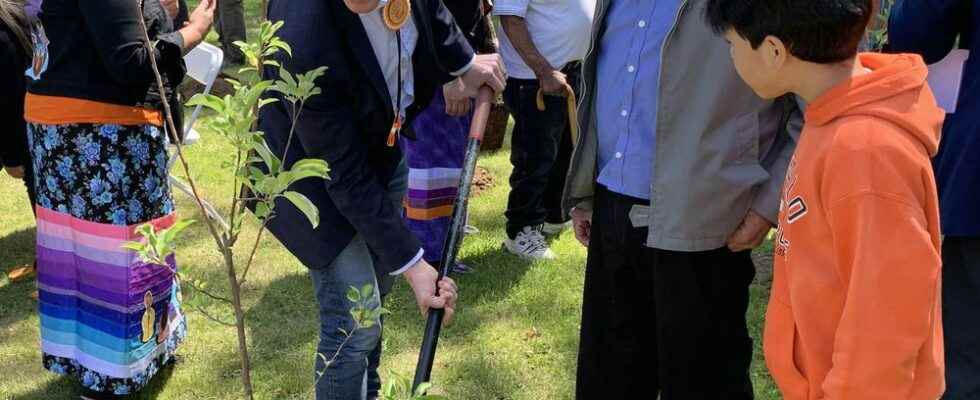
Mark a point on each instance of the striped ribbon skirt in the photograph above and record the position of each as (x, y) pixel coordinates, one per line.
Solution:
(435, 160)
(107, 318)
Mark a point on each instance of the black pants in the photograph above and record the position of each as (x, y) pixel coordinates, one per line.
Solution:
(961, 317)
(541, 148)
(230, 24)
(656, 321)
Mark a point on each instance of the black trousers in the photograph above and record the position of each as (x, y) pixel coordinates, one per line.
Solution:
(961, 317)
(541, 148)
(230, 24)
(660, 322)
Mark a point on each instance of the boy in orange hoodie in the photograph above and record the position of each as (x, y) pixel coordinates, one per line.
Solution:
(855, 306)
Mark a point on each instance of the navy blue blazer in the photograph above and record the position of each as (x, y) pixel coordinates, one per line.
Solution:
(348, 125)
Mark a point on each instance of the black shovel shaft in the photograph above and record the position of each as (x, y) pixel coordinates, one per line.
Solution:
(454, 238)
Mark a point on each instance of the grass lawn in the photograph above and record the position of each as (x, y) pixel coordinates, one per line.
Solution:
(515, 336)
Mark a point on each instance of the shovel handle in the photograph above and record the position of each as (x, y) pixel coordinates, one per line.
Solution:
(481, 113)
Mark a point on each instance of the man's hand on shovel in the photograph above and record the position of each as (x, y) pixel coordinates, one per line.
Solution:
(422, 278)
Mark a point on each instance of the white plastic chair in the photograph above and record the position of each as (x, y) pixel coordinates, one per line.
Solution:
(203, 65)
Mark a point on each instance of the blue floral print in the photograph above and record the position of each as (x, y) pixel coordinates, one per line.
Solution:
(128, 184)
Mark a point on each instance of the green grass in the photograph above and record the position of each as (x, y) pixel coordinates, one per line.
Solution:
(515, 335)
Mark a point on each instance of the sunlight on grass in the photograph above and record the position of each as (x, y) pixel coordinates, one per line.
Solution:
(515, 335)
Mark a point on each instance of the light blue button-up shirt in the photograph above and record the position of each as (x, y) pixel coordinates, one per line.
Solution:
(626, 92)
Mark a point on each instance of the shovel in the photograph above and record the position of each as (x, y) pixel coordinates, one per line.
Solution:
(427, 355)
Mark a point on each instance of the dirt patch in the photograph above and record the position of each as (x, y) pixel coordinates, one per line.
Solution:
(191, 87)
(483, 180)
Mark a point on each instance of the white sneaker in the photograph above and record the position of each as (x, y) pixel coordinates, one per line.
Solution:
(550, 229)
(529, 244)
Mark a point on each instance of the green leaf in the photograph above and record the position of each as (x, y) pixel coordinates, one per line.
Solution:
(305, 205)
(207, 100)
(353, 295)
(134, 246)
(171, 233)
(366, 291)
(422, 389)
(271, 160)
(267, 101)
(309, 168)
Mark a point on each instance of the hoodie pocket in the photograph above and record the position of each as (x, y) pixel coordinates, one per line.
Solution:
(779, 343)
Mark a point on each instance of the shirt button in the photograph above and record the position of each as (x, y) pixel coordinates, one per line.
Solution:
(642, 24)
(624, 113)
(631, 68)
(619, 155)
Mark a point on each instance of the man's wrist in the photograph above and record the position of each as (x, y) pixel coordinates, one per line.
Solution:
(414, 262)
(542, 70)
(466, 68)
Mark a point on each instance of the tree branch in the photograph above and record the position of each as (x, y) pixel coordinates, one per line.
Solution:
(211, 317)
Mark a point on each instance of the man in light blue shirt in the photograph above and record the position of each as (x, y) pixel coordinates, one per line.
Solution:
(626, 92)
(673, 181)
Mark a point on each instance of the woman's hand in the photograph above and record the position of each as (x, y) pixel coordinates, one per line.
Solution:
(203, 16)
(199, 25)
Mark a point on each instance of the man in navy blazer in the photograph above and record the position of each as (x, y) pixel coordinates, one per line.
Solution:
(374, 73)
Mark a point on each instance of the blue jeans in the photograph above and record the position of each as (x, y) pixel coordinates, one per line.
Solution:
(353, 375)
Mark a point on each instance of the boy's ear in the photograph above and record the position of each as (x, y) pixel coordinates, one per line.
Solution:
(774, 52)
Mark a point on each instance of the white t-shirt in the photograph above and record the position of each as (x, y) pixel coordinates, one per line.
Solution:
(560, 29)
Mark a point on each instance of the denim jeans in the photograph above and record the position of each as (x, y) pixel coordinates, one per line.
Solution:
(541, 148)
(353, 374)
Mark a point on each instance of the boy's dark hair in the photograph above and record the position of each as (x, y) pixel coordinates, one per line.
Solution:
(819, 31)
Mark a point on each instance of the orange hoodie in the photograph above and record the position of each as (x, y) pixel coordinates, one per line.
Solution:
(855, 305)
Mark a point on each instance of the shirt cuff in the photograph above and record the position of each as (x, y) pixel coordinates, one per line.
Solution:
(510, 10)
(466, 68)
(410, 264)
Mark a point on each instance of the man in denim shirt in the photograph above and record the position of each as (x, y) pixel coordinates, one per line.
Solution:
(675, 178)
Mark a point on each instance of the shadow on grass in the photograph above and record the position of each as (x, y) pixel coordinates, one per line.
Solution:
(68, 388)
(17, 250)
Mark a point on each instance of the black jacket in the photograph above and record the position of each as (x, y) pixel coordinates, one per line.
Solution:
(347, 125)
(475, 23)
(13, 131)
(96, 52)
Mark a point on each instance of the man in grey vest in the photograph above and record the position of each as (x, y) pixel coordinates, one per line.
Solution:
(675, 178)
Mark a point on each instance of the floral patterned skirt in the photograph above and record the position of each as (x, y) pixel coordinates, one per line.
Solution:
(107, 318)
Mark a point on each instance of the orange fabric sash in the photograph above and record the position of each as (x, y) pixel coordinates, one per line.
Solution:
(55, 110)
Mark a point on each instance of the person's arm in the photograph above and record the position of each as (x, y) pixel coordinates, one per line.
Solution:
(552, 81)
(452, 50)
(13, 132)
(927, 27)
(764, 212)
(455, 56)
(888, 261)
(115, 28)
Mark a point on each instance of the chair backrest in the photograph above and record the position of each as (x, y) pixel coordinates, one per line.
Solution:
(203, 65)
